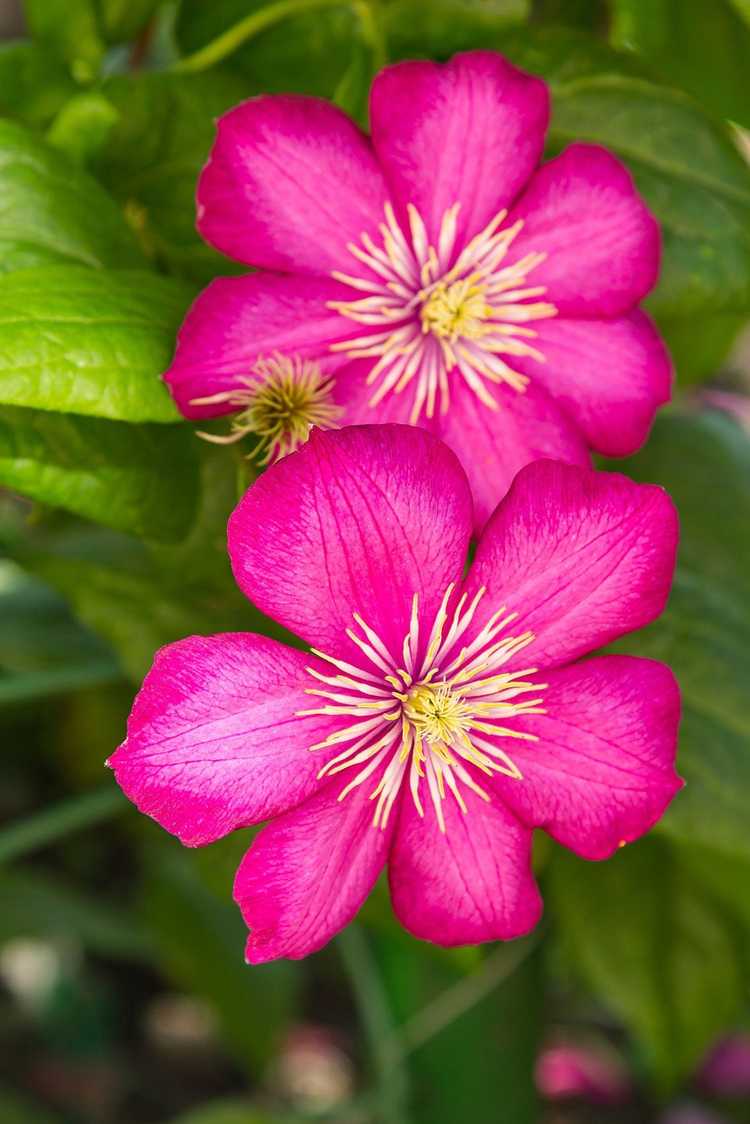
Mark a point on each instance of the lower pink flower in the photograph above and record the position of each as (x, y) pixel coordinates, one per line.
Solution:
(438, 718)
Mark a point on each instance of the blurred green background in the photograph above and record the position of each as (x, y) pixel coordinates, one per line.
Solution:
(124, 998)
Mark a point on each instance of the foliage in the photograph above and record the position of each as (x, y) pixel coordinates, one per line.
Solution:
(114, 536)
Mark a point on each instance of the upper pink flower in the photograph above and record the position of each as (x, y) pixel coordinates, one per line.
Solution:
(435, 272)
(438, 718)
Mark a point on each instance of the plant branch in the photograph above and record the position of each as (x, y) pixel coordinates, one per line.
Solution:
(46, 827)
(229, 40)
(377, 1022)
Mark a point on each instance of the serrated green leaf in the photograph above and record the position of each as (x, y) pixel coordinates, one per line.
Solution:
(654, 947)
(141, 479)
(685, 163)
(34, 82)
(703, 48)
(52, 211)
(704, 461)
(89, 341)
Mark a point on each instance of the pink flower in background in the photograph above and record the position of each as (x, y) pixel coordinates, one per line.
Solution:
(433, 274)
(566, 1071)
(726, 1070)
(437, 718)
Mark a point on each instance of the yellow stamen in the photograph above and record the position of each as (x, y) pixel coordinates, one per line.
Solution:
(279, 404)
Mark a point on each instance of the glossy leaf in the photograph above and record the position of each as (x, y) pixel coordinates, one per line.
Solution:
(141, 479)
(167, 124)
(34, 82)
(658, 950)
(88, 341)
(306, 53)
(704, 461)
(685, 163)
(53, 211)
(71, 29)
(701, 47)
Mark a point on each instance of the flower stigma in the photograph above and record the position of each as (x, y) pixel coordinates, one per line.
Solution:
(434, 715)
(278, 403)
(437, 310)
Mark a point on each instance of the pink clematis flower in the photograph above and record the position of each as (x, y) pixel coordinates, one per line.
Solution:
(433, 274)
(437, 718)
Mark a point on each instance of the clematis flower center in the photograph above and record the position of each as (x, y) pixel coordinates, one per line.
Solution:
(437, 313)
(279, 403)
(432, 716)
(455, 310)
(437, 713)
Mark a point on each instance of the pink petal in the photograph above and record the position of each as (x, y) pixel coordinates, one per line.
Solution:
(357, 520)
(474, 883)
(602, 771)
(213, 741)
(582, 557)
(290, 180)
(602, 243)
(237, 320)
(308, 872)
(469, 131)
(353, 393)
(609, 375)
(494, 445)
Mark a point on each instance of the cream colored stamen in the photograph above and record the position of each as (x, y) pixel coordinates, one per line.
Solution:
(279, 403)
(437, 311)
(435, 712)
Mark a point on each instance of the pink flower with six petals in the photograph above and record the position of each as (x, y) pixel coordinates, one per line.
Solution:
(438, 718)
(435, 272)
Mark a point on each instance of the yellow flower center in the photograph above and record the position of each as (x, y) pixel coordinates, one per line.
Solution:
(437, 713)
(460, 309)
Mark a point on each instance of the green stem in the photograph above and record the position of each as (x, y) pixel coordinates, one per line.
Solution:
(228, 42)
(382, 1037)
(72, 815)
(372, 32)
(457, 1000)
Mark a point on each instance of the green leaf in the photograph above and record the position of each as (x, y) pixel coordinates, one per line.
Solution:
(121, 20)
(89, 341)
(20, 1110)
(139, 599)
(227, 1112)
(34, 83)
(307, 53)
(167, 124)
(43, 650)
(82, 127)
(471, 1025)
(444, 26)
(70, 28)
(141, 479)
(701, 47)
(686, 164)
(35, 905)
(654, 946)
(704, 462)
(190, 892)
(53, 211)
